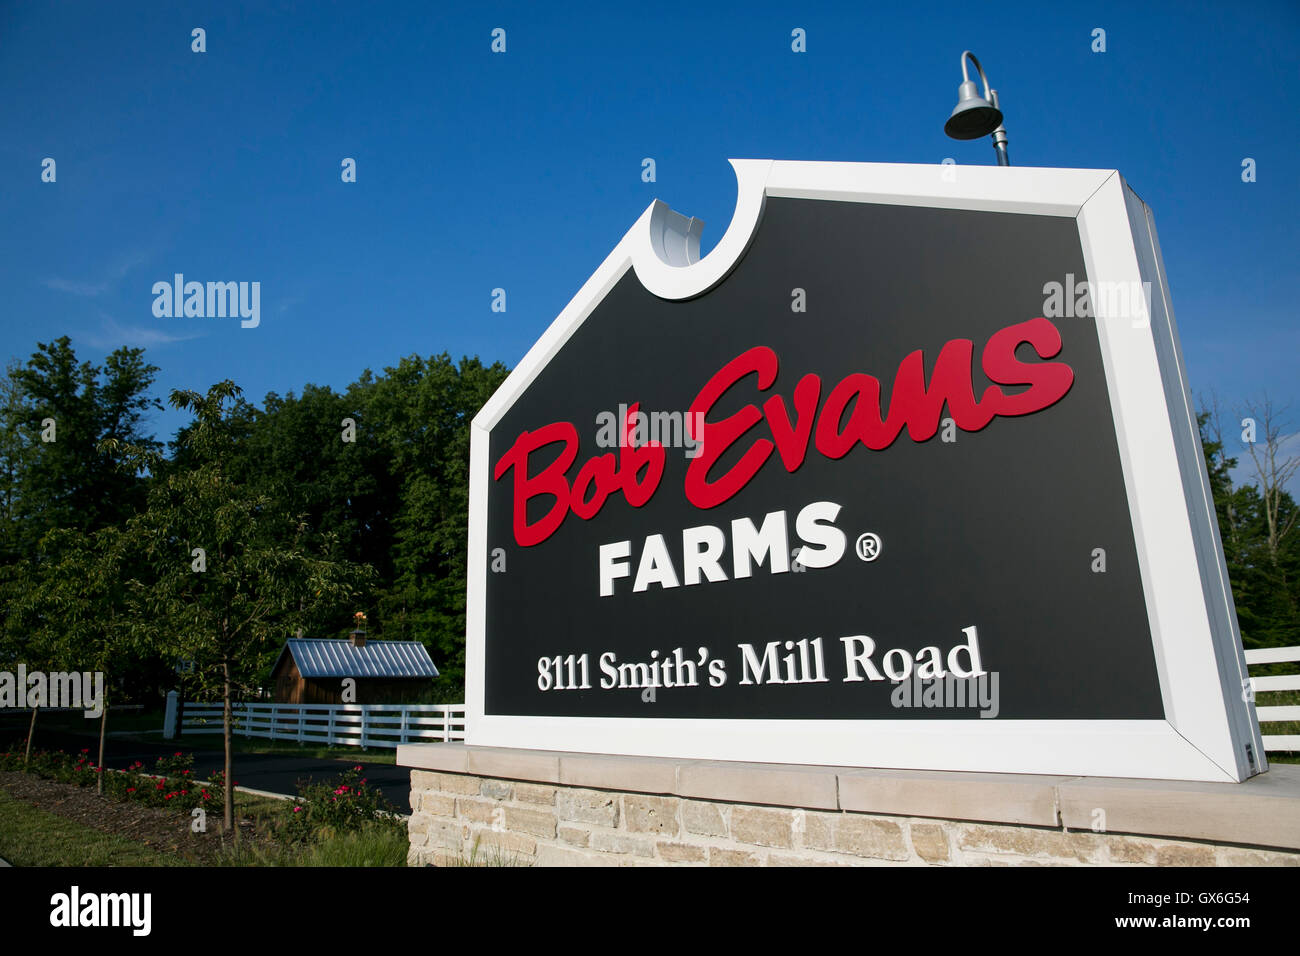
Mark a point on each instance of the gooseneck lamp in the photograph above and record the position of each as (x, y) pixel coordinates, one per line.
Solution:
(974, 115)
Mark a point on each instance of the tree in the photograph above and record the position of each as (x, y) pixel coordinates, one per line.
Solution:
(231, 569)
(16, 446)
(384, 466)
(420, 412)
(64, 411)
(1273, 470)
(29, 630)
(93, 598)
(1257, 524)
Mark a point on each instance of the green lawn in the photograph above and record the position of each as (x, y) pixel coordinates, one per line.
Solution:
(30, 836)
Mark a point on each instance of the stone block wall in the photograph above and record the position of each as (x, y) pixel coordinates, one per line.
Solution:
(467, 818)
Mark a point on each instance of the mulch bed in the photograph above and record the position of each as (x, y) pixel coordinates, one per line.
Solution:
(162, 830)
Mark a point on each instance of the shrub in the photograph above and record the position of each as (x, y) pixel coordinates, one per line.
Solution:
(345, 805)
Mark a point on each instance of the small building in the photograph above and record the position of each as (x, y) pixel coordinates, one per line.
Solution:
(312, 670)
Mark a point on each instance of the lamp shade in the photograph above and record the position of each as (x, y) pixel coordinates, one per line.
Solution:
(973, 116)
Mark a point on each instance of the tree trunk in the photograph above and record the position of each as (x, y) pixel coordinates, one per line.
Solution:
(31, 732)
(103, 729)
(228, 819)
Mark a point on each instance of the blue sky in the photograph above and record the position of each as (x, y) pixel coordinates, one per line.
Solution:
(522, 170)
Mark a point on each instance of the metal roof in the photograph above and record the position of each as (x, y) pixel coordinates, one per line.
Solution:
(326, 657)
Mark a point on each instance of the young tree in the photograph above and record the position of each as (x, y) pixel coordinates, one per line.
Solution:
(230, 567)
(29, 630)
(1273, 467)
(92, 596)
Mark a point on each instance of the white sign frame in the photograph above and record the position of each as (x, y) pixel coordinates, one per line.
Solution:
(1211, 731)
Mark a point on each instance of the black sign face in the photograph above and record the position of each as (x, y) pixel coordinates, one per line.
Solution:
(893, 469)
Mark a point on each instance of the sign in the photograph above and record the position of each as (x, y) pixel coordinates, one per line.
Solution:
(904, 473)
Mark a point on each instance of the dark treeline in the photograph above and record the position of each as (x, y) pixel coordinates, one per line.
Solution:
(303, 511)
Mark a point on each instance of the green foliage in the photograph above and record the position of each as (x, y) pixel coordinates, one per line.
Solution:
(231, 568)
(170, 785)
(302, 519)
(395, 498)
(70, 482)
(1265, 579)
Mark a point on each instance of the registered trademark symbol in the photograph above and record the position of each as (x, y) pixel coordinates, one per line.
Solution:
(868, 546)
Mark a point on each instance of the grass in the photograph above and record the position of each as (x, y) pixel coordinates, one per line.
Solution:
(30, 836)
(376, 846)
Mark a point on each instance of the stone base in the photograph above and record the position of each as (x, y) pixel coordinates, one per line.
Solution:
(492, 806)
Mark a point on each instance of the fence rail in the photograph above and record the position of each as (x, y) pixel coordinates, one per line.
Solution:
(387, 725)
(359, 725)
(1271, 714)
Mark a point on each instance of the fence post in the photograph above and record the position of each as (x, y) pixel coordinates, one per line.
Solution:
(401, 737)
(302, 724)
(169, 721)
(446, 722)
(329, 732)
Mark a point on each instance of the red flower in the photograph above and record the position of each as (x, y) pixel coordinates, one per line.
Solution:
(130, 789)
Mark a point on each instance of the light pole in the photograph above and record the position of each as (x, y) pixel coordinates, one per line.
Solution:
(974, 115)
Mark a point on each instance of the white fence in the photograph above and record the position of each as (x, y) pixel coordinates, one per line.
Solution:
(1276, 655)
(359, 725)
(387, 725)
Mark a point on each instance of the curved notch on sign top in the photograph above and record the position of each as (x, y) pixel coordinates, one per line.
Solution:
(666, 255)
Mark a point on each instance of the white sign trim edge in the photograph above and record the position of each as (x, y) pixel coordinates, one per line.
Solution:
(1195, 744)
